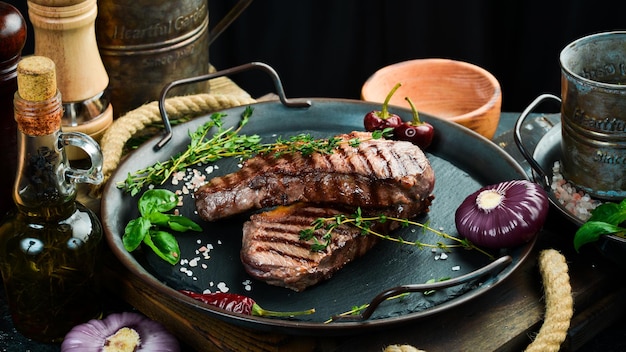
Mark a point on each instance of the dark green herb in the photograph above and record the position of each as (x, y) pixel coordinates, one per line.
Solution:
(227, 143)
(607, 219)
(365, 225)
(147, 228)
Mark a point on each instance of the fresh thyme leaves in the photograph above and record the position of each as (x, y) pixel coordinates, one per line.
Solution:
(224, 143)
(148, 228)
(607, 219)
(365, 223)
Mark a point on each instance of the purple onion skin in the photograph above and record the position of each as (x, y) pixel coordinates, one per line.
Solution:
(517, 219)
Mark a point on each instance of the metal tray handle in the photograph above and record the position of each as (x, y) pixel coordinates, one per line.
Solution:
(245, 67)
(543, 179)
(492, 268)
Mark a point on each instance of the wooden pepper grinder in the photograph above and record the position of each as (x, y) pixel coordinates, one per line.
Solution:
(65, 32)
(13, 38)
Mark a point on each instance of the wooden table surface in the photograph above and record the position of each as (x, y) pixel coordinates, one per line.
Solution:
(503, 319)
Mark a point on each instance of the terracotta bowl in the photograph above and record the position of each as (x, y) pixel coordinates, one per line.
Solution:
(449, 89)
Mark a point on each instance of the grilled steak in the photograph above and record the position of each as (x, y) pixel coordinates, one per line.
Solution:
(376, 174)
(272, 250)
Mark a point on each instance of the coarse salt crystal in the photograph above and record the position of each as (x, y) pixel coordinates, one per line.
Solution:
(456, 268)
(222, 287)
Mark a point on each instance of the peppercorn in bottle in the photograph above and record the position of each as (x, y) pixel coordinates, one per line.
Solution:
(50, 247)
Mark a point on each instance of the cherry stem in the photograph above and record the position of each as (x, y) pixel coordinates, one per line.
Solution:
(416, 117)
(385, 114)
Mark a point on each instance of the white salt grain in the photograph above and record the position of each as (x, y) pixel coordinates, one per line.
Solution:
(222, 287)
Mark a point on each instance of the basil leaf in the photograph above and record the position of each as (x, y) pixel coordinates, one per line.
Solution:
(134, 232)
(157, 200)
(591, 232)
(164, 245)
(181, 224)
(604, 212)
(159, 219)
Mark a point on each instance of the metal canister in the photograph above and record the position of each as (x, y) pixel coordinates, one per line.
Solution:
(593, 114)
(145, 44)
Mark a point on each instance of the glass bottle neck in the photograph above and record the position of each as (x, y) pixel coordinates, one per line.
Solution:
(41, 188)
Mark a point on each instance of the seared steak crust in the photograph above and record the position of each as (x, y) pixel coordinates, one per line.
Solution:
(272, 250)
(377, 173)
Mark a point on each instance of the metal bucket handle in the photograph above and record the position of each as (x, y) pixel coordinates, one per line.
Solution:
(543, 177)
(258, 65)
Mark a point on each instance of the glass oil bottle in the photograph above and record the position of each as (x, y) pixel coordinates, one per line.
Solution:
(50, 246)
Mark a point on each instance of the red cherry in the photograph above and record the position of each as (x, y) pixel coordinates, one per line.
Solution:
(374, 122)
(420, 135)
(416, 131)
(379, 120)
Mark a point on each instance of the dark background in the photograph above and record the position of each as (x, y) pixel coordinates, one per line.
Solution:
(328, 48)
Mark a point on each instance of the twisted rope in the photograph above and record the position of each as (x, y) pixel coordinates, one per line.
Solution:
(125, 127)
(559, 302)
(402, 348)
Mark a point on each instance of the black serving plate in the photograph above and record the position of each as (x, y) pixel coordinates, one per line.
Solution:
(463, 161)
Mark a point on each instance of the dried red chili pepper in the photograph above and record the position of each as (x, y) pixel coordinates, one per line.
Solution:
(240, 304)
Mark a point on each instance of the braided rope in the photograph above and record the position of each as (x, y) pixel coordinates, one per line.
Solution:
(401, 348)
(559, 302)
(122, 129)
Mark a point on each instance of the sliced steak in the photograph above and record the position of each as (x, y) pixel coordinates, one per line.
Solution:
(272, 250)
(378, 173)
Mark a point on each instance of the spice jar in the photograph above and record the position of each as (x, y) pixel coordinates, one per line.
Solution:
(50, 247)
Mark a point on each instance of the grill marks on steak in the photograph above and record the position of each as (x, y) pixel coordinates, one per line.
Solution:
(272, 250)
(379, 176)
(378, 173)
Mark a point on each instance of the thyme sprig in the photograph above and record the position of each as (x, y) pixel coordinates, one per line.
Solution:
(365, 223)
(225, 143)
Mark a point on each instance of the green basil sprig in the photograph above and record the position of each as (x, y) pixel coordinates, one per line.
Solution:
(607, 219)
(149, 228)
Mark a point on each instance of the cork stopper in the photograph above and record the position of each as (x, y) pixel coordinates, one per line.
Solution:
(37, 104)
(36, 78)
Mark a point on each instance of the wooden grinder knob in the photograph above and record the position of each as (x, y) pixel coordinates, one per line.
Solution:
(65, 32)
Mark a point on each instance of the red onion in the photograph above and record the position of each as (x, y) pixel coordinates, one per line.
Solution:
(503, 215)
(120, 332)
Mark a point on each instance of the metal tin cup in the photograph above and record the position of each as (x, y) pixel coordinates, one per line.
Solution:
(146, 44)
(593, 114)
